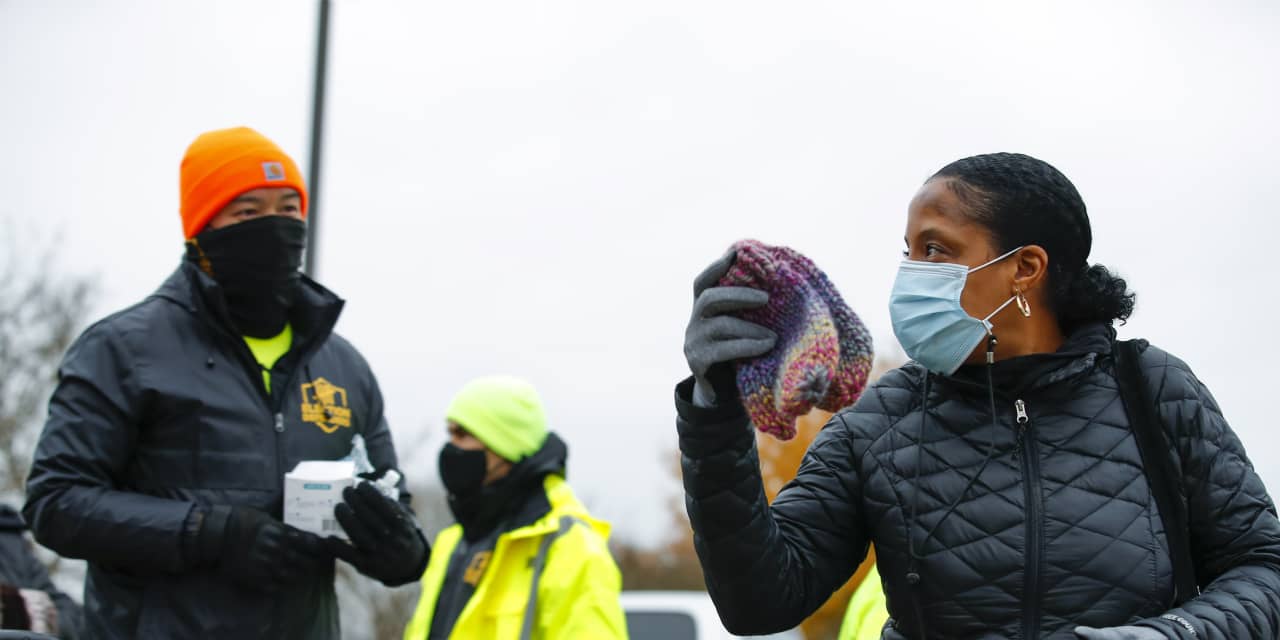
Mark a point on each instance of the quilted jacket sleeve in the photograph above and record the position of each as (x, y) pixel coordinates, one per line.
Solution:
(1235, 535)
(766, 568)
(75, 502)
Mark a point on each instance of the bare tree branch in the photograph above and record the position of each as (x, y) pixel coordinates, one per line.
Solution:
(42, 309)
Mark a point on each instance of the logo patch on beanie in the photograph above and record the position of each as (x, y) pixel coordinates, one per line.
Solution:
(273, 171)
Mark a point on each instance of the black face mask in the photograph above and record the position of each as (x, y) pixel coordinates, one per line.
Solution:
(478, 507)
(462, 470)
(256, 264)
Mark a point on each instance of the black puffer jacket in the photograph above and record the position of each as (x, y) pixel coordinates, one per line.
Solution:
(1019, 531)
(161, 409)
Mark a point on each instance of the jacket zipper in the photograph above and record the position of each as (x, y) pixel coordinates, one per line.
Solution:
(254, 368)
(1032, 496)
(279, 427)
(274, 405)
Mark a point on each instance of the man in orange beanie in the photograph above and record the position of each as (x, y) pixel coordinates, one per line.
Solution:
(175, 420)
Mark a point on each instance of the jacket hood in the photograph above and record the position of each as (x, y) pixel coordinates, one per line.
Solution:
(551, 457)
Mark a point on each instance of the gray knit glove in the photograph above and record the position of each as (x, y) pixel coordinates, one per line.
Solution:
(1119, 633)
(714, 339)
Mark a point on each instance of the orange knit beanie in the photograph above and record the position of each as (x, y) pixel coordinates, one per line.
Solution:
(220, 165)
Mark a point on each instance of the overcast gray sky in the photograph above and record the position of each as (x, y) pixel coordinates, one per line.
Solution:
(530, 188)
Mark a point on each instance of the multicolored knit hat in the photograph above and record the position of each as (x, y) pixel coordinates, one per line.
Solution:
(824, 352)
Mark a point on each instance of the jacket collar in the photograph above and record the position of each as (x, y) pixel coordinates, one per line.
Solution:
(550, 498)
(1079, 352)
(563, 503)
(314, 314)
(517, 499)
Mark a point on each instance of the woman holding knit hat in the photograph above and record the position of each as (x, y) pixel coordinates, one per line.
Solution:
(175, 420)
(525, 559)
(1026, 476)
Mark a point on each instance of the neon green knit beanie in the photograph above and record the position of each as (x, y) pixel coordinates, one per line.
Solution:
(504, 413)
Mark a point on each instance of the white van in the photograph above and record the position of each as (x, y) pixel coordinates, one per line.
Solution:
(679, 615)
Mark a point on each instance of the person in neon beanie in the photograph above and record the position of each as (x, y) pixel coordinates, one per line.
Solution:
(525, 559)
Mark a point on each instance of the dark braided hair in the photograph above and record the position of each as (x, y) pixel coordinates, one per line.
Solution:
(1024, 201)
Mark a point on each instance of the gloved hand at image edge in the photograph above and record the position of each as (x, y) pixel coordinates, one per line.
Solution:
(386, 544)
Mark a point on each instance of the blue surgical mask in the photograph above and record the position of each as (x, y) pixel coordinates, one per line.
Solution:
(927, 317)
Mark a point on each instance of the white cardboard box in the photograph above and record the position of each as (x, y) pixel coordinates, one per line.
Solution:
(311, 491)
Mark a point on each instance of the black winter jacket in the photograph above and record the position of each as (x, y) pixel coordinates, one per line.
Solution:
(985, 526)
(162, 407)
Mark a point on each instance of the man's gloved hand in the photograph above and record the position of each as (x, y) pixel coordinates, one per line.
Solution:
(386, 544)
(255, 550)
(1119, 633)
(713, 339)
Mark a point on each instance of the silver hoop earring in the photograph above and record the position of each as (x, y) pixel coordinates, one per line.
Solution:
(1023, 305)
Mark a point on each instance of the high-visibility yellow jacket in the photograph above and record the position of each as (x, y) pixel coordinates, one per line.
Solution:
(551, 579)
(867, 612)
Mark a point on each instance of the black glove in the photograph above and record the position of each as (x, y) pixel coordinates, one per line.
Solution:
(713, 339)
(386, 544)
(254, 550)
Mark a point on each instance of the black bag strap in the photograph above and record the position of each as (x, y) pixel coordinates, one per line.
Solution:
(1157, 463)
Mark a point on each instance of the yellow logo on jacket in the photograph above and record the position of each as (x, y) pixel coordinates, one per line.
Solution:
(475, 569)
(324, 404)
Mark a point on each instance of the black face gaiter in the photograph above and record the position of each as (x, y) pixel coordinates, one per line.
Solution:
(462, 470)
(256, 264)
(478, 507)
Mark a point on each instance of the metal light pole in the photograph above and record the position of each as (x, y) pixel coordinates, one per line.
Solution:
(317, 139)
